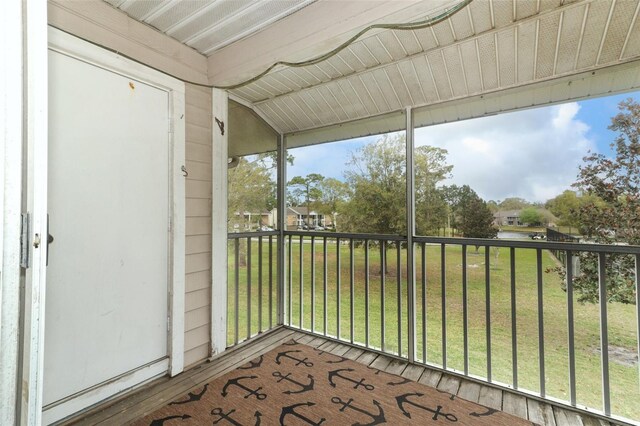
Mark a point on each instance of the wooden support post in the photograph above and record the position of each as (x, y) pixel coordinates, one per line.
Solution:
(219, 222)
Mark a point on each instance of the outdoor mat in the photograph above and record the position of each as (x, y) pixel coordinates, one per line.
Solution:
(295, 384)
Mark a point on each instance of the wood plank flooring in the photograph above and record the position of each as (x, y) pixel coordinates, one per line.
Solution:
(158, 393)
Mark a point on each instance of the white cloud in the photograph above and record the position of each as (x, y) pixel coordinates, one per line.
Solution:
(327, 159)
(533, 154)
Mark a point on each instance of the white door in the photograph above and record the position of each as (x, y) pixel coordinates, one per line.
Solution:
(109, 207)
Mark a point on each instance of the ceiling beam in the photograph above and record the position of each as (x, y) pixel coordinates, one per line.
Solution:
(100, 23)
(309, 31)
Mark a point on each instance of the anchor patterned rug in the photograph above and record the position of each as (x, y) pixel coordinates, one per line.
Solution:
(295, 384)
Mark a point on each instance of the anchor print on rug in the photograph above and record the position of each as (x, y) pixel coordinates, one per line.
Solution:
(375, 418)
(334, 361)
(437, 412)
(251, 392)
(222, 416)
(402, 381)
(254, 363)
(290, 410)
(336, 373)
(451, 396)
(193, 396)
(160, 422)
(299, 361)
(303, 387)
(489, 412)
(297, 385)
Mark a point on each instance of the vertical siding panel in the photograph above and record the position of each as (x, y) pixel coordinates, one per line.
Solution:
(198, 230)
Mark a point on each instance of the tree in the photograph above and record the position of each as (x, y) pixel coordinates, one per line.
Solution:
(469, 214)
(531, 216)
(567, 205)
(334, 194)
(477, 219)
(613, 214)
(493, 206)
(251, 189)
(431, 168)
(306, 188)
(514, 203)
(377, 187)
(458, 199)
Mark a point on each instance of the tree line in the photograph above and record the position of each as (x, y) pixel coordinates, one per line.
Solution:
(604, 204)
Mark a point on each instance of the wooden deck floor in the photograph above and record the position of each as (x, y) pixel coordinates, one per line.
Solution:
(158, 393)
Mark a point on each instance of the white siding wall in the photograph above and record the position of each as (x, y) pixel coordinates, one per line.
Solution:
(198, 232)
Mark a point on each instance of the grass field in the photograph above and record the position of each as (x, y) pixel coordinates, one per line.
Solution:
(625, 387)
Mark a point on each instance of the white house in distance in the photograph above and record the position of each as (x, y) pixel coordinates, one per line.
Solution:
(118, 120)
(507, 218)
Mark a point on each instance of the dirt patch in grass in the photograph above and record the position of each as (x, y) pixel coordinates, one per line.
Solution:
(621, 355)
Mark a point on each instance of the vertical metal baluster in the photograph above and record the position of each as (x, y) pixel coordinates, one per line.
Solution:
(281, 254)
(638, 310)
(399, 296)
(301, 295)
(270, 282)
(443, 287)
(424, 303)
(260, 284)
(514, 334)
(338, 288)
(540, 323)
(383, 269)
(352, 280)
(571, 335)
(604, 335)
(487, 281)
(324, 285)
(236, 290)
(411, 231)
(313, 284)
(465, 310)
(248, 287)
(366, 293)
(290, 279)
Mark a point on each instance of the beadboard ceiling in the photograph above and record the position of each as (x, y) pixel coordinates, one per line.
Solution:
(490, 46)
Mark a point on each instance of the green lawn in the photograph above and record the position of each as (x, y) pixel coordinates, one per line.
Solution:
(625, 389)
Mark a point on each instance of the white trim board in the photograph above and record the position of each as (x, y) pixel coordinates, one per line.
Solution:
(220, 109)
(127, 381)
(11, 143)
(74, 47)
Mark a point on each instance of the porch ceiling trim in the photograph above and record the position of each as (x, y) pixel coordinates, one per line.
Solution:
(616, 79)
(495, 51)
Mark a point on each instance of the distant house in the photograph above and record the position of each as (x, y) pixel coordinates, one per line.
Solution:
(249, 221)
(300, 216)
(507, 218)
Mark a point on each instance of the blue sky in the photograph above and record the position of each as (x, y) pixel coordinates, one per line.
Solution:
(533, 154)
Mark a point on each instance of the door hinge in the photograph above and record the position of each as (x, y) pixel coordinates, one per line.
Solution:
(168, 323)
(24, 240)
(170, 126)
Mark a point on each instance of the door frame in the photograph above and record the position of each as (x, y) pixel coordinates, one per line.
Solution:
(77, 48)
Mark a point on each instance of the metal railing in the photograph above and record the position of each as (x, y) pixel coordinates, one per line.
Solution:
(252, 285)
(336, 305)
(557, 236)
(491, 310)
(353, 287)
